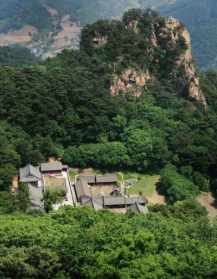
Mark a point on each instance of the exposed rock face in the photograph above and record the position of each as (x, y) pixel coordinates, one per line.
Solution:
(172, 38)
(67, 37)
(178, 34)
(130, 80)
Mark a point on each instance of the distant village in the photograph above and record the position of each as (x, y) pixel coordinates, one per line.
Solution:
(94, 191)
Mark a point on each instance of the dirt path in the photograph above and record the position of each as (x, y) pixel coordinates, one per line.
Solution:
(207, 200)
(156, 198)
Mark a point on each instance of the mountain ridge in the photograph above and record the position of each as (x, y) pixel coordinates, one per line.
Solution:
(47, 27)
(166, 44)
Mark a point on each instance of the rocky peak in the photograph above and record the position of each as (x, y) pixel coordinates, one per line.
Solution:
(177, 37)
(163, 46)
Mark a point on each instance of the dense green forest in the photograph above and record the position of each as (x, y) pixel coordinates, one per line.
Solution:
(16, 56)
(170, 242)
(64, 108)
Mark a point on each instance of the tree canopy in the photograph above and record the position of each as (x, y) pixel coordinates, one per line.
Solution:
(80, 243)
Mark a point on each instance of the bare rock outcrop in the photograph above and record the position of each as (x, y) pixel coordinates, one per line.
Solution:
(178, 35)
(130, 81)
(163, 46)
(170, 35)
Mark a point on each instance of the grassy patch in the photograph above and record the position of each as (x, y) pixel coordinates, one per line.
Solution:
(145, 184)
(72, 173)
(54, 182)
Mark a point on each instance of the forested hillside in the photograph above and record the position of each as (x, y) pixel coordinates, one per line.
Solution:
(16, 56)
(110, 106)
(129, 99)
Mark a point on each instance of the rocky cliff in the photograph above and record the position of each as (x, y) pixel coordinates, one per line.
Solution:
(158, 48)
(178, 38)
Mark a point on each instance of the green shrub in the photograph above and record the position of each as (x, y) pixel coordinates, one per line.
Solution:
(109, 155)
(175, 186)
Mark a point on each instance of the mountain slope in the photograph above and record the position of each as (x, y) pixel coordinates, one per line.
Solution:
(49, 26)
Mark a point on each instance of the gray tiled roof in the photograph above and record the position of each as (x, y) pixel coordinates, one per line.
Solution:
(91, 179)
(114, 201)
(30, 174)
(82, 189)
(107, 178)
(36, 196)
(54, 166)
(97, 203)
(136, 204)
(139, 200)
(122, 201)
(138, 208)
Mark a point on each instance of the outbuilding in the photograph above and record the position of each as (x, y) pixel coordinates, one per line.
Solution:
(82, 190)
(53, 167)
(29, 174)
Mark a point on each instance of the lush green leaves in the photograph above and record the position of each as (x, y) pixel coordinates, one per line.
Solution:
(109, 155)
(80, 243)
(175, 186)
(51, 197)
